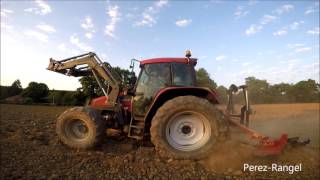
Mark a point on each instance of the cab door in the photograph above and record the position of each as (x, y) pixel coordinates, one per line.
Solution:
(153, 77)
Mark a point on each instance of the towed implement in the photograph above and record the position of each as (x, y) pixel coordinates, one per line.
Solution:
(165, 106)
(265, 146)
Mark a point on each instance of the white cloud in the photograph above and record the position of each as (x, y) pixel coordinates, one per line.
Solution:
(312, 9)
(38, 35)
(89, 35)
(280, 33)
(298, 47)
(314, 31)
(302, 49)
(148, 15)
(161, 3)
(88, 26)
(147, 20)
(87, 23)
(5, 12)
(253, 29)
(284, 9)
(266, 19)
(42, 8)
(82, 46)
(46, 28)
(240, 12)
(309, 11)
(183, 22)
(113, 13)
(291, 46)
(295, 25)
(221, 57)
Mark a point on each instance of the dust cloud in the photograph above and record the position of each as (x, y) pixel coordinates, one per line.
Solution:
(271, 120)
(229, 156)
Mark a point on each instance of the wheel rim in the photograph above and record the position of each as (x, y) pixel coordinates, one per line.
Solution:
(76, 129)
(188, 131)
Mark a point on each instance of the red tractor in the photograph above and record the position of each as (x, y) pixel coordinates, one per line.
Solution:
(166, 104)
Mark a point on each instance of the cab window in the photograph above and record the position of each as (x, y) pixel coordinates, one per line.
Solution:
(153, 78)
(182, 74)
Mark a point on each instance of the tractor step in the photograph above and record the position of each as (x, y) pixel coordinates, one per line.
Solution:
(136, 129)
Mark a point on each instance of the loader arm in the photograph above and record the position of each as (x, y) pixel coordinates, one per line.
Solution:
(90, 64)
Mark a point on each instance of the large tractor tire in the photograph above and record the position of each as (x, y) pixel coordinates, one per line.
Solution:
(80, 127)
(187, 127)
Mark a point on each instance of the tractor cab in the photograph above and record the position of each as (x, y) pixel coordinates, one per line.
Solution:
(160, 73)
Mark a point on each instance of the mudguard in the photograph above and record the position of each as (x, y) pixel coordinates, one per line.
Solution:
(170, 92)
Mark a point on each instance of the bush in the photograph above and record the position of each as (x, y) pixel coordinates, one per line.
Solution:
(36, 91)
(28, 101)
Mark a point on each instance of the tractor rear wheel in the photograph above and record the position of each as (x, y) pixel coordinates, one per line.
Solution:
(187, 127)
(80, 127)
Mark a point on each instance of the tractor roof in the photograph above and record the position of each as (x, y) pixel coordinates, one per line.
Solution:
(168, 60)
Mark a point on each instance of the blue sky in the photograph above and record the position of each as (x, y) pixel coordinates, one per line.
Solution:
(273, 40)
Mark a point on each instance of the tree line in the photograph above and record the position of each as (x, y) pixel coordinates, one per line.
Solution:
(260, 91)
(39, 93)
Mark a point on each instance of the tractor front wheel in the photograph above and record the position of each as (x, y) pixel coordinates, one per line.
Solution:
(186, 127)
(80, 127)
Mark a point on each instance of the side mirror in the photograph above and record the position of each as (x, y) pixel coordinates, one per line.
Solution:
(132, 64)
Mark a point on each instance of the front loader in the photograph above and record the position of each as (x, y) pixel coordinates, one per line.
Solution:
(181, 119)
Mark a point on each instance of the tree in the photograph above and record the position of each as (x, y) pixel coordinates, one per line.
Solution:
(36, 91)
(258, 90)
(73, 98)
(56, 97)
(4, 92)
(222, 94)
(128, 77)
(305, 91)
(279, 93)
(90, 87)
(15, 88)
(203, 79)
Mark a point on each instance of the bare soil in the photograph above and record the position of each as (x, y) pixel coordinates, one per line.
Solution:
(30, 149)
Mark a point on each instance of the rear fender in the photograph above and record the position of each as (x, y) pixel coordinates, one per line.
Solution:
(172, 92)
